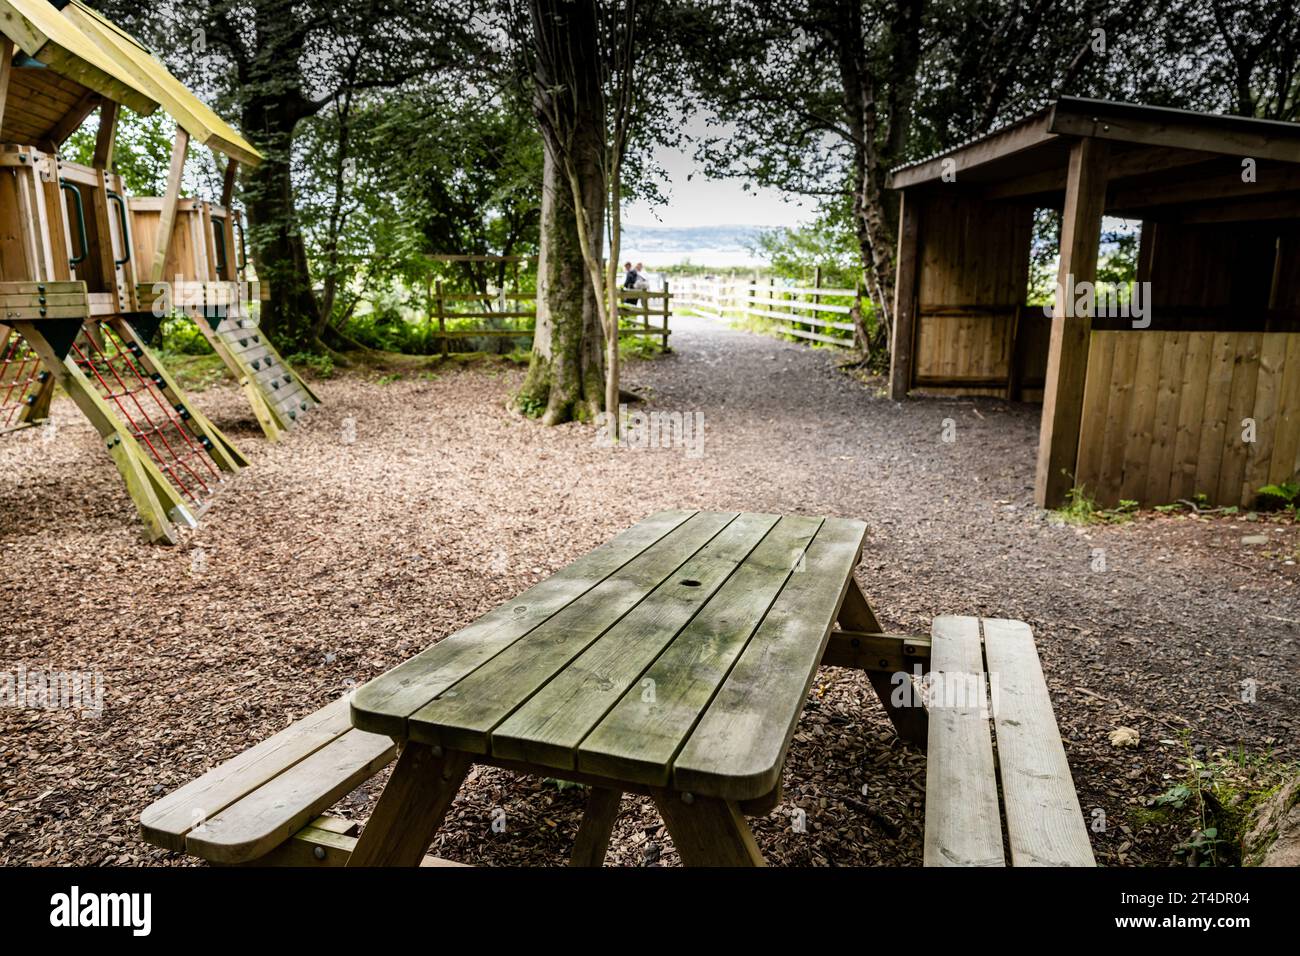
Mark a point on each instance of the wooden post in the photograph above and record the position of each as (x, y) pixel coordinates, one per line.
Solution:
(171, 199)
(6, 68)
(903, 335)
(816, 299)
(1067, 357)
(230, 273)
(106, 136)
(667, 312)
(228, 184)
(442, 319)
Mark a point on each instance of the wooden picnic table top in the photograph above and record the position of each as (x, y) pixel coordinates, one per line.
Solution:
(677, 655)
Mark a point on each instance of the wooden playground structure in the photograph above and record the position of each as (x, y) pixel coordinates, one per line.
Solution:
(74, 308)
(82, 268)
(1198, 396)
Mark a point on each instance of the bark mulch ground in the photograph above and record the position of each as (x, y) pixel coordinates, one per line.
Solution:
(401, 510)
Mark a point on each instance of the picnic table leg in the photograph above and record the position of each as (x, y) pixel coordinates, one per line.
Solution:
(412, 806)
(910, 720)
(597, 824)
(708, 831)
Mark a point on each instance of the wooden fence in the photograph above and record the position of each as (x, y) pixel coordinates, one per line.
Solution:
(812, 312)
(513, 314)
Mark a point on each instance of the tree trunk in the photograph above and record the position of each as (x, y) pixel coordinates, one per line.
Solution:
(279, 253)
(565, 374)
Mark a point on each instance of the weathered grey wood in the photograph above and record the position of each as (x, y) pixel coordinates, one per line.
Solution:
(638, 738)
(411, 808)
(962, 823)
(902, 705)
(548, 728)
(739, 746)
(272, 813)
(166, 821)
(597, 824)
(463, 716)
(317, 846)
(708, 831)
(384, 704)
(1045, 824)
(867, 651)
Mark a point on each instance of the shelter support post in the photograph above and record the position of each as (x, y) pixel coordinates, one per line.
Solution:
(903, 335)
(1067, 359)
(6, 69)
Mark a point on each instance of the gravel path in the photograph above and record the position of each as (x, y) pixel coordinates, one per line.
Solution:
(334, 558)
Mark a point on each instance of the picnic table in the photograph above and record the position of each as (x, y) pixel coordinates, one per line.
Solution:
(672, 661)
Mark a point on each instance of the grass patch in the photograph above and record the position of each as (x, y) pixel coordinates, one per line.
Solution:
(194, 373)
(316, 364)
(640, 347)
(1211, 808)
(1081, 508)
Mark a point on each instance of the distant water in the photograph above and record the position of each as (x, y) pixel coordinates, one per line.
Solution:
(661, 247)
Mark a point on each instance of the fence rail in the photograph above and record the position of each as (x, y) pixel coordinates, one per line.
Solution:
(800, 311)
(641, 313)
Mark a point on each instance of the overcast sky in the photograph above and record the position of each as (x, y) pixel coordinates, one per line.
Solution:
(703, 202)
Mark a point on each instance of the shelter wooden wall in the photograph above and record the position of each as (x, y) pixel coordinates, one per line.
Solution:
(973, 334)
(1163, 407)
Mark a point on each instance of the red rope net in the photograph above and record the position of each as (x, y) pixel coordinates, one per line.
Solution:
(20, 380)
(136, 395)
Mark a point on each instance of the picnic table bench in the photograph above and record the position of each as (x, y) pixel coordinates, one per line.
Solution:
(674, 661)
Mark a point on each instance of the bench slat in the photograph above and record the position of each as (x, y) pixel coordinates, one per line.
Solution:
(166, 821)
(962, 822)
(280, 808)
(1044, 820)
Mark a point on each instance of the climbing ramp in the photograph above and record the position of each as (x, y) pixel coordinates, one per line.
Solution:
(277, 394)
(171, 457)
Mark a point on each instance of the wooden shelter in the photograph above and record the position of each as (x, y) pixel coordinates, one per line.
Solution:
(1198, 396)
(67, 275)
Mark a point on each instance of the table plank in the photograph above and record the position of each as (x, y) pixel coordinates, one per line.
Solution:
(1044, 821)
(962, 822)
(548, 728)
(384, 704)
(462, 716)
(738, 747)
(637, 739)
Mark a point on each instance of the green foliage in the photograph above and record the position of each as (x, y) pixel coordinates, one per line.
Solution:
(828, 243)
(181, 336)
(1081, 508)
(1213, 804)
(318, 364)
(530, 405)
(142, 154)
(639, 347)
(1277, 497)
